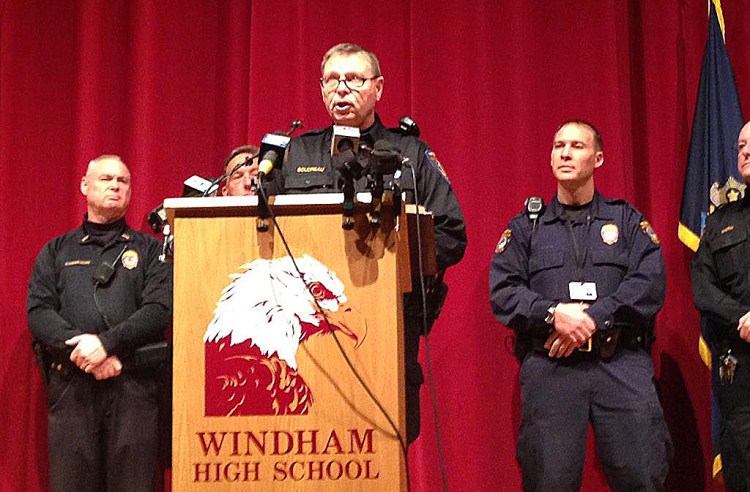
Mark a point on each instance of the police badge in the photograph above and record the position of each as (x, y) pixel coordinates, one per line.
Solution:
(130, 259)
(610, 233)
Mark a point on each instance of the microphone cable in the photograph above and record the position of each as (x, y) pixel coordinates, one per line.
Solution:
(216, 181)
(428, 356)
(370, 394)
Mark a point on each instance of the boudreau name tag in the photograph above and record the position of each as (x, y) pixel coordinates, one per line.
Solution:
(582, 291)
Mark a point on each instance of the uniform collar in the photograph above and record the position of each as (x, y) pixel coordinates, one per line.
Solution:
(600, 209)
(105, 233)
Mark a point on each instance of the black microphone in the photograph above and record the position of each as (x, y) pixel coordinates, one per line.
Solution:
(273, 152)
(344, 138)
(384, 158)
(407, 126)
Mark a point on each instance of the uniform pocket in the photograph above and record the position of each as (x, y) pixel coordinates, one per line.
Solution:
(730, 252)
(306, 182)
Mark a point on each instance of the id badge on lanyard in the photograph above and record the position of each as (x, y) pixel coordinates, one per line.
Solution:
(582, 291)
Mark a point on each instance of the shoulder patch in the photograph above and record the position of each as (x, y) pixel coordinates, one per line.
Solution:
(432, 159)
(649, 231)
(503, 242)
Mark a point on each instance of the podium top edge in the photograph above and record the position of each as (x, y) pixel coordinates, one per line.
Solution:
(243, 202)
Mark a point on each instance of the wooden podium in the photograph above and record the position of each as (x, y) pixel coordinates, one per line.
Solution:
(269, 393)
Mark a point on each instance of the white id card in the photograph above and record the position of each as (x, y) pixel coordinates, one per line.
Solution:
(582, 291)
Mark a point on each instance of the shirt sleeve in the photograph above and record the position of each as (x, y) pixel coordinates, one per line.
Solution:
(436, 194)
(512, 302)
(43, 303)
(709, 294)
(148, 322)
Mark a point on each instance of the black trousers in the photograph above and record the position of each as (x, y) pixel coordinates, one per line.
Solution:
(103, 435)
(734, 438)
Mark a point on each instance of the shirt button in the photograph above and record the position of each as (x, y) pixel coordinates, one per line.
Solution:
(307, 181)
(608, 323)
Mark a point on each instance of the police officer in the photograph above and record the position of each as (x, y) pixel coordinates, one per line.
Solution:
(580, 283)
(351, 84)
(721, 287)
(97, 294)
(243, 181)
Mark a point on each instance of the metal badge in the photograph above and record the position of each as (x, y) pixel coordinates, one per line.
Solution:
(610, 233)
(130, 259)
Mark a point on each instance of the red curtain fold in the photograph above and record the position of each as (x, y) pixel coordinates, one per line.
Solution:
(172, 87)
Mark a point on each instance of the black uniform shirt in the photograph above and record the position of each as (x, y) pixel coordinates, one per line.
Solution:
(137, 301)
(309, 169)
(721, 268)
(533, 266)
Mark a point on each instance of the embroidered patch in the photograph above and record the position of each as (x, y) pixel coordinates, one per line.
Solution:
(610, 233)
(646, 227)
(727, 229)
(311, 169)
(503, 242)
(432, 158)
(130, 259)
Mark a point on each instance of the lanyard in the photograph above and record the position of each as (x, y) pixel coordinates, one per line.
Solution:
(578, 251)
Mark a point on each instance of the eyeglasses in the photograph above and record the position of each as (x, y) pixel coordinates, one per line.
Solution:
(352, 81)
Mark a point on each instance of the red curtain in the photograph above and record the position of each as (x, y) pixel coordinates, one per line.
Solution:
(172, 86)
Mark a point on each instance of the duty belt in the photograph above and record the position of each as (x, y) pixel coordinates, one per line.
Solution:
(606, 343)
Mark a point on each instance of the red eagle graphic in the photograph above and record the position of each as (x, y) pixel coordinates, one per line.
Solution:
(261, 319)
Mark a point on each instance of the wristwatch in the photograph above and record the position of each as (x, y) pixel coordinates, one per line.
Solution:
(550, 318)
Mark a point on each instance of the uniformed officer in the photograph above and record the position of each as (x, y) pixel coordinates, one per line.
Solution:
(243, 181)
(580, 283)
(351, 84)
(97, 294)
(721, 287)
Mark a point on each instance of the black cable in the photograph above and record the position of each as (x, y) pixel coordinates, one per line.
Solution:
(401, 439)
(428, 356)
(248, 161)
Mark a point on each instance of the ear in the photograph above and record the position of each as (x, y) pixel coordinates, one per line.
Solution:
(379, 87)
(224, 190)
(84, 186)
(599, 159)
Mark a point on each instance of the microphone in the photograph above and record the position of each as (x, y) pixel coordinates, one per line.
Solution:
(407, 126)
(197, 186)
(273, 152)
(384, 158)
(344, 138)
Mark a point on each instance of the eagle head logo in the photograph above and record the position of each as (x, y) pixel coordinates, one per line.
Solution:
(260, 320)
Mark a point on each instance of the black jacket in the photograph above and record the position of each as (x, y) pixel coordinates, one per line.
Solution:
(309, 169)
(137, 301)
(721, 269)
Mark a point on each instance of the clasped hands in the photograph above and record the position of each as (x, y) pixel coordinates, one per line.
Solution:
(743, 326)
(573, 328)
(91, 357)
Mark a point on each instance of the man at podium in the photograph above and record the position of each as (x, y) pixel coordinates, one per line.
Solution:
(351, 84)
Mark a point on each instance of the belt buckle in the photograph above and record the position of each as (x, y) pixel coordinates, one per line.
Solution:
(588, 347)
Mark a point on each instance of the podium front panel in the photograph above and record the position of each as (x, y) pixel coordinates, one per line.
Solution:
(264, 397)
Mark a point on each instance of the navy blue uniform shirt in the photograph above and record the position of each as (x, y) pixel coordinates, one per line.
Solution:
(533, 266)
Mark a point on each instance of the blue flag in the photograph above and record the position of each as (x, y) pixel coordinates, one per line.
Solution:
(712, 178)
